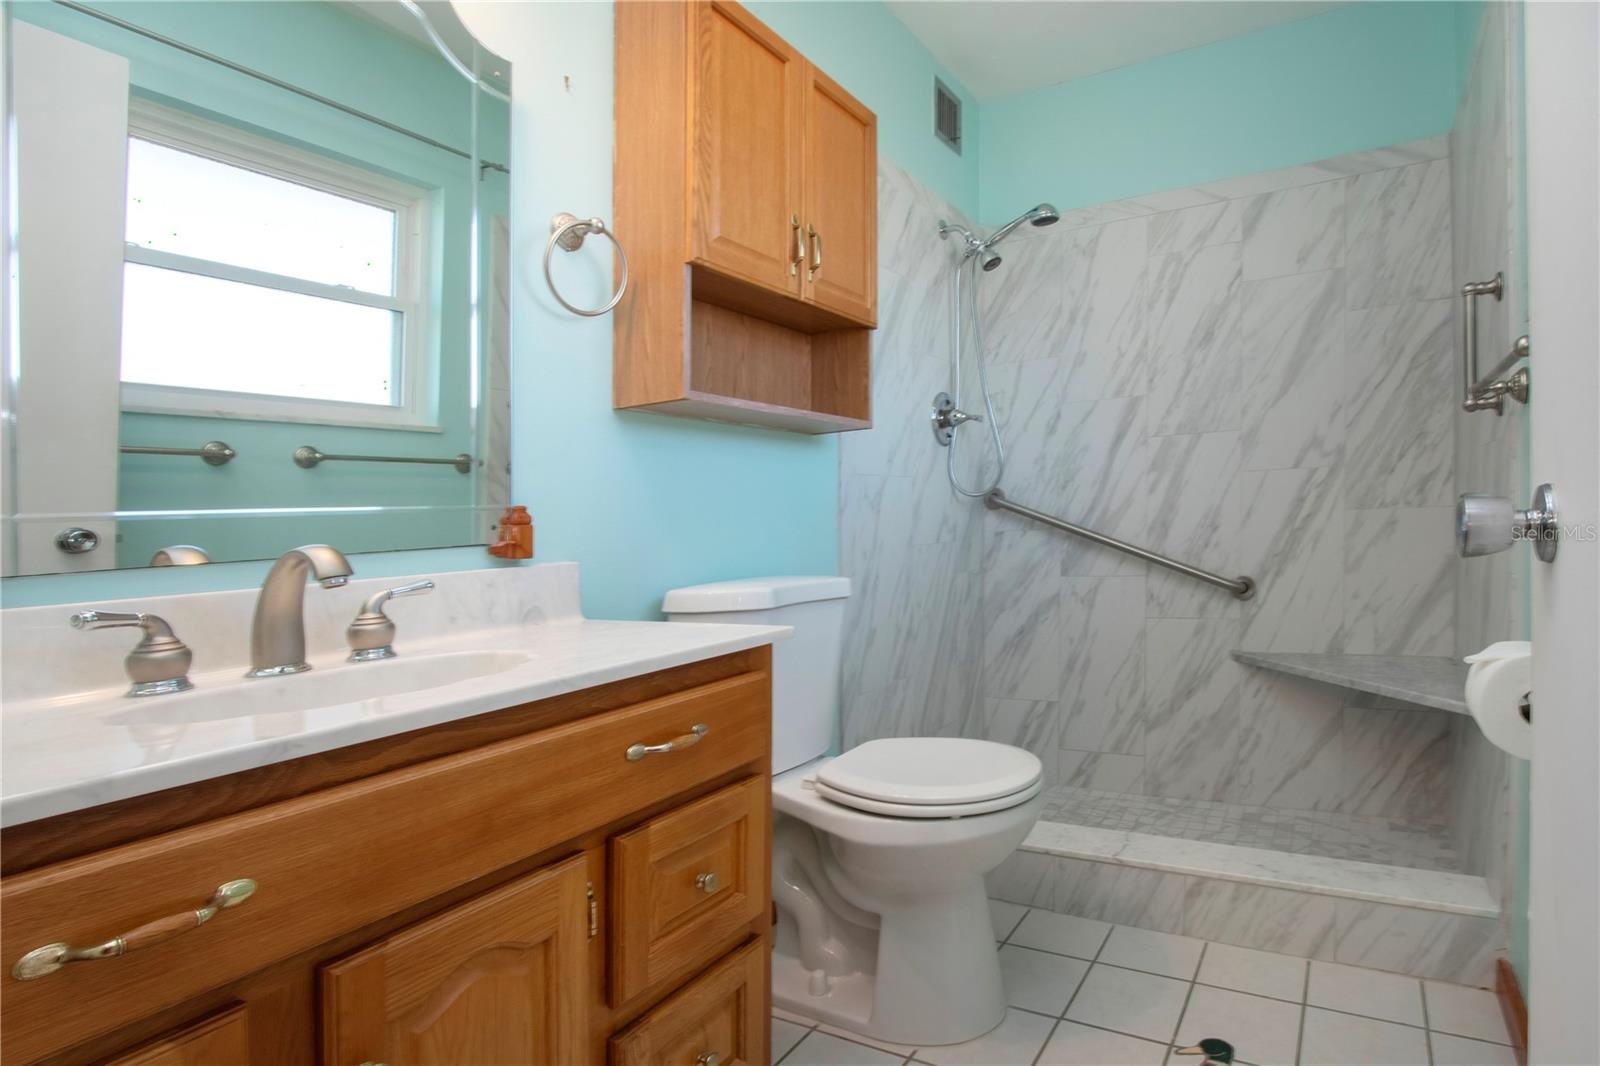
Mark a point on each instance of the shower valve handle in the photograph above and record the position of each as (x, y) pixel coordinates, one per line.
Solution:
(946, 417)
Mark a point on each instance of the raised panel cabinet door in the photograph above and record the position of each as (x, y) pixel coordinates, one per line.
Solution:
(745, 165)
(841, 200)
(499, 980)
(720, 1017)
(221, 1039)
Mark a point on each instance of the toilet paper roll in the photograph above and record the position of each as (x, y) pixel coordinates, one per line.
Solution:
(1500, 677)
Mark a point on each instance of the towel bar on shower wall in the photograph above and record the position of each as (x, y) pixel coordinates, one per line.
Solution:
(1489, 392)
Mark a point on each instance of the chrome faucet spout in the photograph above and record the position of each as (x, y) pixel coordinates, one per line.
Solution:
(278, 634)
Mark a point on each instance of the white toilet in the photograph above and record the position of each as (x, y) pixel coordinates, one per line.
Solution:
(879, 854)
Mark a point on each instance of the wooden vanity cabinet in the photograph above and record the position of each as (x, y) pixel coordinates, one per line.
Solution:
(509, 888)
(746, 197)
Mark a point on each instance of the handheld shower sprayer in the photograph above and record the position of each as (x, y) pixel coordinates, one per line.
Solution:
(947, 414)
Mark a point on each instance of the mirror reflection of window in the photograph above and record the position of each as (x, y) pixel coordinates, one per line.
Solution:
(262, 270)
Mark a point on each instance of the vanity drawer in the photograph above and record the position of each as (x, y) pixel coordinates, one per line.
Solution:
(333, 861)
(721, 1013)
(686, 883)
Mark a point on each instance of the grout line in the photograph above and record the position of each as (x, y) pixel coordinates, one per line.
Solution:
(1374, 1018)
(1188, 994)
(1427, 1026)
(1305, 997)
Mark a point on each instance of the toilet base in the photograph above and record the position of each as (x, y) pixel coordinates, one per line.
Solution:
(936, 961)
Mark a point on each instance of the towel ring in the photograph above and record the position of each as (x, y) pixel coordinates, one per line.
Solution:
(568, 231)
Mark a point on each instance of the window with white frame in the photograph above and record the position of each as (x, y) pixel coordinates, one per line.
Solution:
(264, 281)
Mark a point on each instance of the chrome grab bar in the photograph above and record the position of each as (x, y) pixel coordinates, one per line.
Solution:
(1488, 391)
(308, 457)
(213, 452)
(1242, 587)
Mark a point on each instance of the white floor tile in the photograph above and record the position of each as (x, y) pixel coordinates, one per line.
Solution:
(1140, 1004)
(1462, 1011)
(1332, 1039)
(1039, 980)
(1459, 1051)
(1074, 1044)
(1265, 973)
(821, 1049)
(1061, 933)
(1005, 917)
(1373, 993)
(1262, 1031)
(871, 1041)
(1016, 1040)
(785, 1035)
(1163, 953)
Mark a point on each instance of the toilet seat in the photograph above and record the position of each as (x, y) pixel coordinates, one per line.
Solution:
(931, 777)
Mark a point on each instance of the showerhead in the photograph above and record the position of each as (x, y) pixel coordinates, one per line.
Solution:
(988, 260)
(1041, 215)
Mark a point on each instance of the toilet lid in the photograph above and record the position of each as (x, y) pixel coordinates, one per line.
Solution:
(927, 810)
(931, 771)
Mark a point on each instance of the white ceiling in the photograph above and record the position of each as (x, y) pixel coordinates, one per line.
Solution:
(998, 47)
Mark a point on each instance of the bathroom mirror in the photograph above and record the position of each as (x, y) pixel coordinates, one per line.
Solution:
(261, 281)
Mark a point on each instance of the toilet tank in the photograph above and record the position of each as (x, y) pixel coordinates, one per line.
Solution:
(805, 667)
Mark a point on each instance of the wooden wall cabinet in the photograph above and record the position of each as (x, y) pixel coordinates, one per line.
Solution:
(746, 193)
(509, 888)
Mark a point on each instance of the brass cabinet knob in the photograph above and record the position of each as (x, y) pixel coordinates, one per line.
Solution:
(707, 883)
(707, 1058)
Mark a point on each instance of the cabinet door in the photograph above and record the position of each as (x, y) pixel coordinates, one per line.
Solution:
(719, 1017)
(499, 979)
(222, 1039)
(841, 200)
(745, 148)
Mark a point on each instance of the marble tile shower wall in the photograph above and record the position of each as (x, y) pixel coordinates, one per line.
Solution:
(1256, 384)
(914, 631)
(1490, 453)
(1253, 376)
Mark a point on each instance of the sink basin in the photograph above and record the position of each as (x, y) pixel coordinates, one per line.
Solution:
(346, 683)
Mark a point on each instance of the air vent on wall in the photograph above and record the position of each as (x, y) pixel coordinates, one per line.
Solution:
(947, 116)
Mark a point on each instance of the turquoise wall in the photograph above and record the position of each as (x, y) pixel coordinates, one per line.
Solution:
(646, 502)
(1361, 76)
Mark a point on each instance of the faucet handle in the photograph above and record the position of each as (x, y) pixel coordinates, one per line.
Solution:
(371, 634)
(159, 663)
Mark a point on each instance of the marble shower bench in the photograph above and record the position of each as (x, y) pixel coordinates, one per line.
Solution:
(1426, 681)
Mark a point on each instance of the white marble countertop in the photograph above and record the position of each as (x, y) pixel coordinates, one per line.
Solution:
(69, 750)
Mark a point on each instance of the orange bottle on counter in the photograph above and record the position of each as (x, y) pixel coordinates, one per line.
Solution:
(516, 534)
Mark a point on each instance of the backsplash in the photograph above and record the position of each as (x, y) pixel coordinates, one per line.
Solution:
(43, 655)
(1255, 375)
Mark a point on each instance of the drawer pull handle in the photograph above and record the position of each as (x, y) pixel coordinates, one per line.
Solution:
(707, 883)
(707, 1058)
(688, 740)
(51, 957)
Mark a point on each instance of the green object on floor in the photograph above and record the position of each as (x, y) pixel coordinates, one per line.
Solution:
(1216, 1051)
